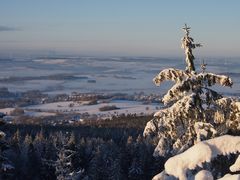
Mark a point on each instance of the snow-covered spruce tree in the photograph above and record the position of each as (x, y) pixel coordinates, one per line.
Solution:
(64, 169)
(6, 168)
(194, 111)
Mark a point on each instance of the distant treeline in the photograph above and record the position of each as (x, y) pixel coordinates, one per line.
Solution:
(49, 77)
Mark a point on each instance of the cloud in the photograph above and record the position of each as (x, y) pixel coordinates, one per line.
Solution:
(7, 28)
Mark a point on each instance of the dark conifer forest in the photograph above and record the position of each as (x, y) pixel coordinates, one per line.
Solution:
(106, 149)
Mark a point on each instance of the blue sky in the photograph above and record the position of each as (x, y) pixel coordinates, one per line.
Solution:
(121, 28)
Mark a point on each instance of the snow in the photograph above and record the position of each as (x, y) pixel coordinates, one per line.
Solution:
(129, 107)
(6, 167)
(201, 152)
(2, 134)
(230, 177)
(50, 61)
(238, 105)
(39, 114)
(220, 79)
(6, 110)
(163, 176)
(178, 165)
(172, 123)
(182, 105)
(181, 88)
(170, 74)
(159, 176)
(161, 147)
(202, 129)
(173, 94)
(203, 175)
(50, 109)
(236, 166)
(187, 120)
(150, 128)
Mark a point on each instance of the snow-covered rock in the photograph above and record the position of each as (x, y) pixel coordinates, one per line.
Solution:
(236, 166)
(230, 177)
(204, 151)
(203, 175)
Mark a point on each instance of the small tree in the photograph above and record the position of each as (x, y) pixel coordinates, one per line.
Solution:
(194, 111)
(188, 45)
(64, 167)
(6, 169)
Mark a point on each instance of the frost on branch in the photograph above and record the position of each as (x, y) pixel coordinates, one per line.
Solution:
(193, 83)
(188, 46)
(186, 122)
(175, 75)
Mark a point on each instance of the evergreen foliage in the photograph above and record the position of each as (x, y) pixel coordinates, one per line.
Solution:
(194, 111)
(103, 151)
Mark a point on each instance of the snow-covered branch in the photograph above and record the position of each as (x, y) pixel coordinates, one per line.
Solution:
(172, 74)
(188, 82)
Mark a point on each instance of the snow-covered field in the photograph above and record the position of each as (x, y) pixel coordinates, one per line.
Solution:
(127, 107)
(38, 114)
(6, 110)
(124, 107)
